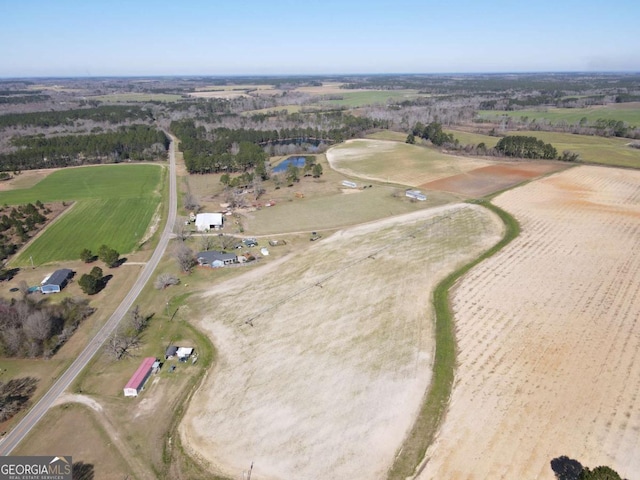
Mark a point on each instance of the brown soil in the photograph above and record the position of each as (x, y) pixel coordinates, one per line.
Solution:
(549, 336)
(493, 178)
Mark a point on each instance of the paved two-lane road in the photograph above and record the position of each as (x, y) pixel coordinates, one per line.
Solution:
(13, 438)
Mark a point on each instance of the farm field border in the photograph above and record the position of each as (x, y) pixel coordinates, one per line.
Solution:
(553, 370)
(410, 459)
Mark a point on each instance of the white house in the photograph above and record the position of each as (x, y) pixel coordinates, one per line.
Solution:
(208, 221)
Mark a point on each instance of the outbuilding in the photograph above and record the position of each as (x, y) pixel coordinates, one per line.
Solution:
(184, 352)
(56, 281)
(208, 221)
(170, 352)
(137, 381)
(416, 194)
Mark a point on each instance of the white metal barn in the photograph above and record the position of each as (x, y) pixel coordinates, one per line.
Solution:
(416, 194)
(208, 221)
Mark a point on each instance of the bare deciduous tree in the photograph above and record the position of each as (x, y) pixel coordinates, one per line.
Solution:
(182, 229)
(191, 202)
(184, 256)
(207, 242)
(164, 280)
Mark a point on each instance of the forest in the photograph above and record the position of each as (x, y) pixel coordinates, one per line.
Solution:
(136, 142)
(38, 328)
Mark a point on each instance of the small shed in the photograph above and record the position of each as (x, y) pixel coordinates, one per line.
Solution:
(56, 281)
(416, 194)
(137, 381)
(184, 352)
(170, 352)
(208, 221)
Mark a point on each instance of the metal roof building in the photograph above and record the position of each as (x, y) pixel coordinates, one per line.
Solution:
(208, 221)
(137, 381)
(56, 281)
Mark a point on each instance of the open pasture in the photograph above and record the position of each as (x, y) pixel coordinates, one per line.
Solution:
(395, 162)
(593, 149)
(626, 112)
(549, 337)
(114, 206)
(603, 150)
(330, 376)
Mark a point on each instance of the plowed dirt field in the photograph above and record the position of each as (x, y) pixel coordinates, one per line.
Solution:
(549, 337)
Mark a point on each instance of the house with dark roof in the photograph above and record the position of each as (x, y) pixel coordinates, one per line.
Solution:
(56, 281)
(215, 259)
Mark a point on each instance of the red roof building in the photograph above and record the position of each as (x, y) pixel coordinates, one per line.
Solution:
(135, 384)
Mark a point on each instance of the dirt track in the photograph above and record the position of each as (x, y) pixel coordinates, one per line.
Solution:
(549, 337)
(328, 380)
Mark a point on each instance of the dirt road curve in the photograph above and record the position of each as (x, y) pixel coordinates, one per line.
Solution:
(13, 438)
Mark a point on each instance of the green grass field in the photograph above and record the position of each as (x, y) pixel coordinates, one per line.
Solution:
(136, 97)
(388, 135)
(593, 149)
(370, 97)
(115, 204)
(627, 112)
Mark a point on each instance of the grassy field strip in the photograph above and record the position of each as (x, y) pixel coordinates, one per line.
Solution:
(411, 457)
(371, 97)
(592, 149)
(626, 112)
(328, 380)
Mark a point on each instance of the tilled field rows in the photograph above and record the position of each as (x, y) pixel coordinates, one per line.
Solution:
(328, 377)
(549, 336)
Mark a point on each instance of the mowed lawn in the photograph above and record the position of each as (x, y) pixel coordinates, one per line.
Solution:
(114, 206)
(627, 112)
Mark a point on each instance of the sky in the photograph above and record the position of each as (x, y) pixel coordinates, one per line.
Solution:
(85, 38)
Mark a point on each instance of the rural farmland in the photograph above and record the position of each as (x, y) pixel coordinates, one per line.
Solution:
(315, 378)
(114, 205)
(395, 162)
(548, 336)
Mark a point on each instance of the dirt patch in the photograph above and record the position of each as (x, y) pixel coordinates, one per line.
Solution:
(83, 399)
(549, 336)
(493, 178)
(322, 360)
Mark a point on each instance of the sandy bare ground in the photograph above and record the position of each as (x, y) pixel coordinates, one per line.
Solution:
(549, 337)
(328, 380)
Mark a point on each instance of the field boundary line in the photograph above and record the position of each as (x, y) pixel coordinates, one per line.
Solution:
(411, 458)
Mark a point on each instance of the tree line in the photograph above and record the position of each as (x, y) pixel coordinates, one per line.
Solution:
(135, 142)
(112, 114)
(31, 328)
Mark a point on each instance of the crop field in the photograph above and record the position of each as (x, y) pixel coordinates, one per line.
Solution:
(114, 206)
(395, 162)
(494, 178)
(327, 379)
(136, 97)
(626, 112)
(549, 336)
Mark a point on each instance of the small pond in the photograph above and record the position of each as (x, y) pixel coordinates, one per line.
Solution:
(282, 166)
